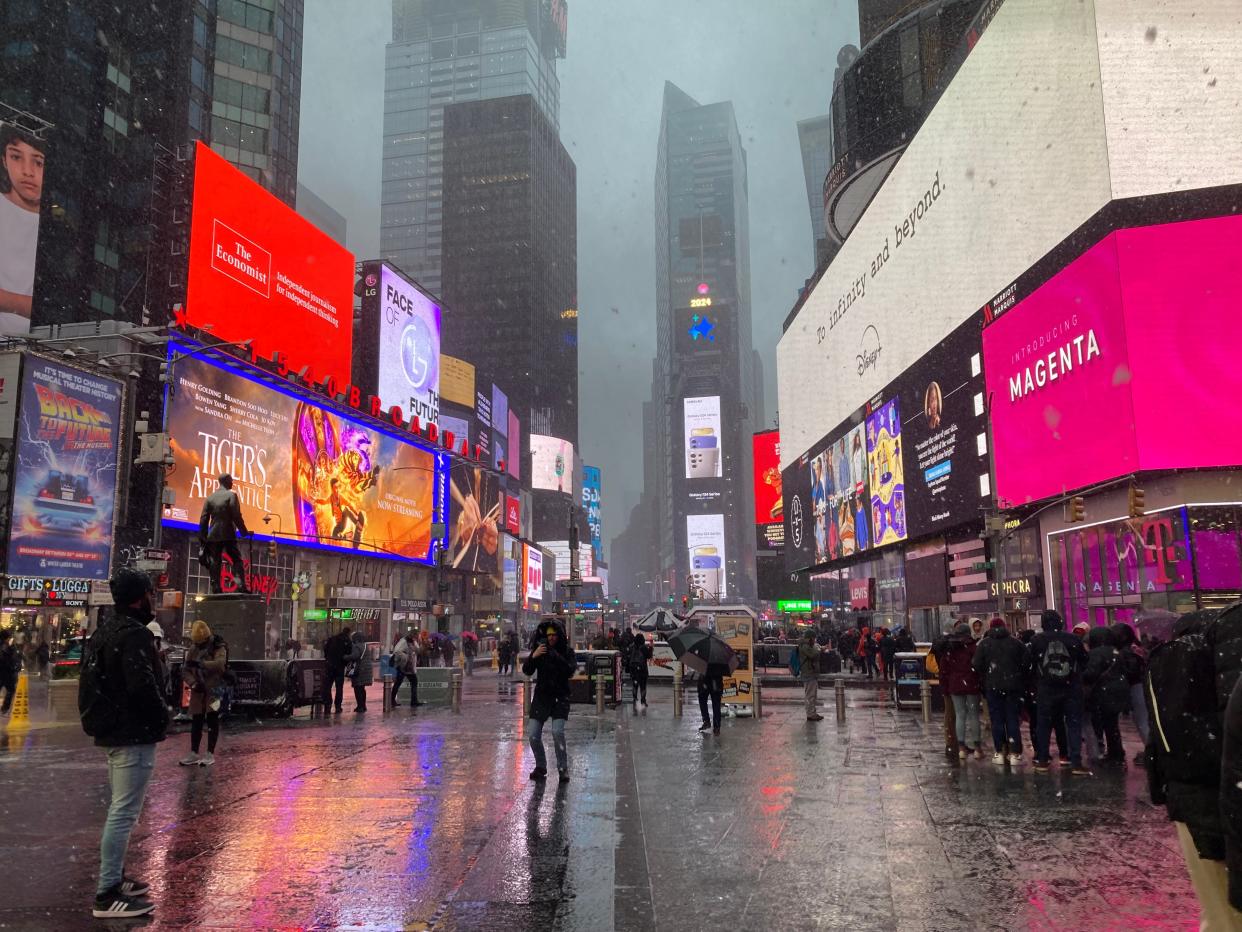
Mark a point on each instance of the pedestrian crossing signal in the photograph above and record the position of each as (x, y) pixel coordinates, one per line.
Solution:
(1138, 502)
(1077, 509)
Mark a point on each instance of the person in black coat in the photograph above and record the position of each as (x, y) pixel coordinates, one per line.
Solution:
(1108, 692)
(336, 651)
(888, 649)
(552, 664)
(638, 654)
(999, 661)
(1192, 769)
(1134, 660)
(1057, 660)
(903, 642)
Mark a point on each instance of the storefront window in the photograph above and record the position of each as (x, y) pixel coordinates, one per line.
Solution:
(1217, 554)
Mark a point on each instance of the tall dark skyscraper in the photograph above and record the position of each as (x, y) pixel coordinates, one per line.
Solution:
(706, 403)
(510, 265)
(126, 91)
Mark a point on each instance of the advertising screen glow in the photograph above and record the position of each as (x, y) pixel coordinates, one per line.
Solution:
(259, 271)
(1145, 326)
(533, 586)
(769, 503)
(322, 478)
(886, 476)
(551, 463)
(65, 476)
(21, 196)
(705, 540)
(409, 346)
(477, 511)
(591, 495)
(701, 423)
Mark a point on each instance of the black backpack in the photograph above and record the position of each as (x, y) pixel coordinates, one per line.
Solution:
(638, 653)
(1180, 689)
(1112, 692)
(99, 712)
(1056, 664)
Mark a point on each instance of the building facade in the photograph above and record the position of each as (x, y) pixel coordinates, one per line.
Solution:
(704, 391)
(444, 52)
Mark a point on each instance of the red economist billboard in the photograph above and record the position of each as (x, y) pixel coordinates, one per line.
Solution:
(259, 271)
(1123, 361)
(769, 504)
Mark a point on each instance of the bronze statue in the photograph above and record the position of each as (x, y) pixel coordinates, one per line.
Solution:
(218, 528)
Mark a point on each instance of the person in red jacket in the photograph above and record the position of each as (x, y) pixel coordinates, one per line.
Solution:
(960, 682)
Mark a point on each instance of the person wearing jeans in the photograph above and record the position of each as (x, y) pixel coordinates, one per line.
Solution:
(955, 655)
(711, 686)
(1058, 659)
(1000, 660)
(122, 708)
(552, 663)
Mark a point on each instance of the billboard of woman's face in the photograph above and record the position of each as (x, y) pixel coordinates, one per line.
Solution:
(933, 405)
(21, 192)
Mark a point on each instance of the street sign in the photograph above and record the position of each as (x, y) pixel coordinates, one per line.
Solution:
(151, 566)
(151, 553)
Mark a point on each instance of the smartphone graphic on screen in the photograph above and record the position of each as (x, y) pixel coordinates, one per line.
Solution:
(703, 455)
(705, 569)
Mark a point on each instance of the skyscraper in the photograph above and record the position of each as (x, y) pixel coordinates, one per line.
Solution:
(815, 140)
(443, 52)
(704, 391)
(510, 270)
(126, 92)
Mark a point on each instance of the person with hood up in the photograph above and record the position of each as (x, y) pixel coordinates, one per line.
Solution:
(206, 663)
(638, 654)
(552, 664)
(336, 651)
(871, 652)
(360, 669)
(903, 642)
(1057, 660)
(405, 666)
(1108, 693)
(504, 655)
(961, 684)
(999, 661)
(808, 673)
(888, 649)
(976, 629)
(1134, 660)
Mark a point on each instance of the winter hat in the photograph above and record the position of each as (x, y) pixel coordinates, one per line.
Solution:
(1081, 626)
(962, 628)
(1051, 620)
(128, 586)
(997, 622)
(199, 632)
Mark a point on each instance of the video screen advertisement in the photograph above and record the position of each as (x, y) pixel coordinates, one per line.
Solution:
(705, 539)
(324, 479)
(592, 483)
(886, 477)
(796, 489)
(64, 485)
(839, 503)
(1124, 361)
(551, 464)
(769, 503)
(261, 272)
(22, 155)
(532, 588)
(477, 513)
(399, 359)
(500, 427)
(701, 429)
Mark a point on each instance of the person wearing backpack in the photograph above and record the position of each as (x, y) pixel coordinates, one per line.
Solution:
(807, 653)
(1108, 693)
(1134, 660)
(360, 670)
(1058, 660)
(206, 663)
(1191, 769)
(122, 708)
(10, 660)
(638, 653)
(999, 660)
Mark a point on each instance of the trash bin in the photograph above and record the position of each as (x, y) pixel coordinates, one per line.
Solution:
(908, 684)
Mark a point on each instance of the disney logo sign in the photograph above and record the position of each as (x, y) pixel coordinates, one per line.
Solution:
(869, 351)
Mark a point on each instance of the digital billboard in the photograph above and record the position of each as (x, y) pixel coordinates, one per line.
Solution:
(701, 329)
(459, 427)
(551, 463)
(323, 479)
(839, 505)
(404, 322)
(800, 519)
(500, 426)
(701, 426)
(512, 568)
(592, 489)
(533, 583)
(560, 550)
(477, 512)
(21, 196)
(514, 460)
(1121, 362)
(457, 381)
(944, 433)
(513, 515)
(64, 483)
(769, 503)
(259, 271)
(705, 540)
(886, 477)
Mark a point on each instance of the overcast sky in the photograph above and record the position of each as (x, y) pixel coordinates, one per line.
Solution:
(775, 61)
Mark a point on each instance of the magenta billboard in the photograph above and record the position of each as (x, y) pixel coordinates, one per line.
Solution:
(1120, 362)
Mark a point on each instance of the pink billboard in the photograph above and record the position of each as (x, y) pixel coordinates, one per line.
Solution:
(1121, 362)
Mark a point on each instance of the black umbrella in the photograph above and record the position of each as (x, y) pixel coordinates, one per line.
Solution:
(703, 651)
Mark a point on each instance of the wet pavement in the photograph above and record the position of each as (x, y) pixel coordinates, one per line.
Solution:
(427, 820)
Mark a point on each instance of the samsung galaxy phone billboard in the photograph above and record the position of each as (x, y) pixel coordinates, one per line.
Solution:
(705, 541)
(703, 439)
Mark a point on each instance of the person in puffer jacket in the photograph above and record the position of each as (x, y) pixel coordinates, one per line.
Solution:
(999, 660)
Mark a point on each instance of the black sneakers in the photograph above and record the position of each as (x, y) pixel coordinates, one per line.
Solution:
(706, 726)
(564, 776)
(131, 886)
(114, 904)
(539, 774)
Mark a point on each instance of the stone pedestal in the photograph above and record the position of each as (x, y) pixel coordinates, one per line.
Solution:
(240, 619)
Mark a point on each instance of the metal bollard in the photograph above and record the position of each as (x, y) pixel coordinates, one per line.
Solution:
(757, 701)
(839, 689)
(526, 696)
(387, 680)
(455, 691)
(677, 691)
(599, 692)
(925, 695)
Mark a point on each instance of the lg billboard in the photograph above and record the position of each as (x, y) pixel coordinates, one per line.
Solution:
(399, 352)
(259, 272)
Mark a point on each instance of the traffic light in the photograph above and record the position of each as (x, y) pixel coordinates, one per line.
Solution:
(1138, 502)
(685, 603)
(271, 549)
(1077, 509)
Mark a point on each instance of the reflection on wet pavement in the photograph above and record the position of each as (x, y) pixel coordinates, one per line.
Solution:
(428, 821)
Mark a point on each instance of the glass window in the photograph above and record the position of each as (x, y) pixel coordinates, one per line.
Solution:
(468, 45)
(441, 50)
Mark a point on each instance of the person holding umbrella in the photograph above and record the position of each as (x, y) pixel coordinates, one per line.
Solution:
(552, 663)
(712, 659)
